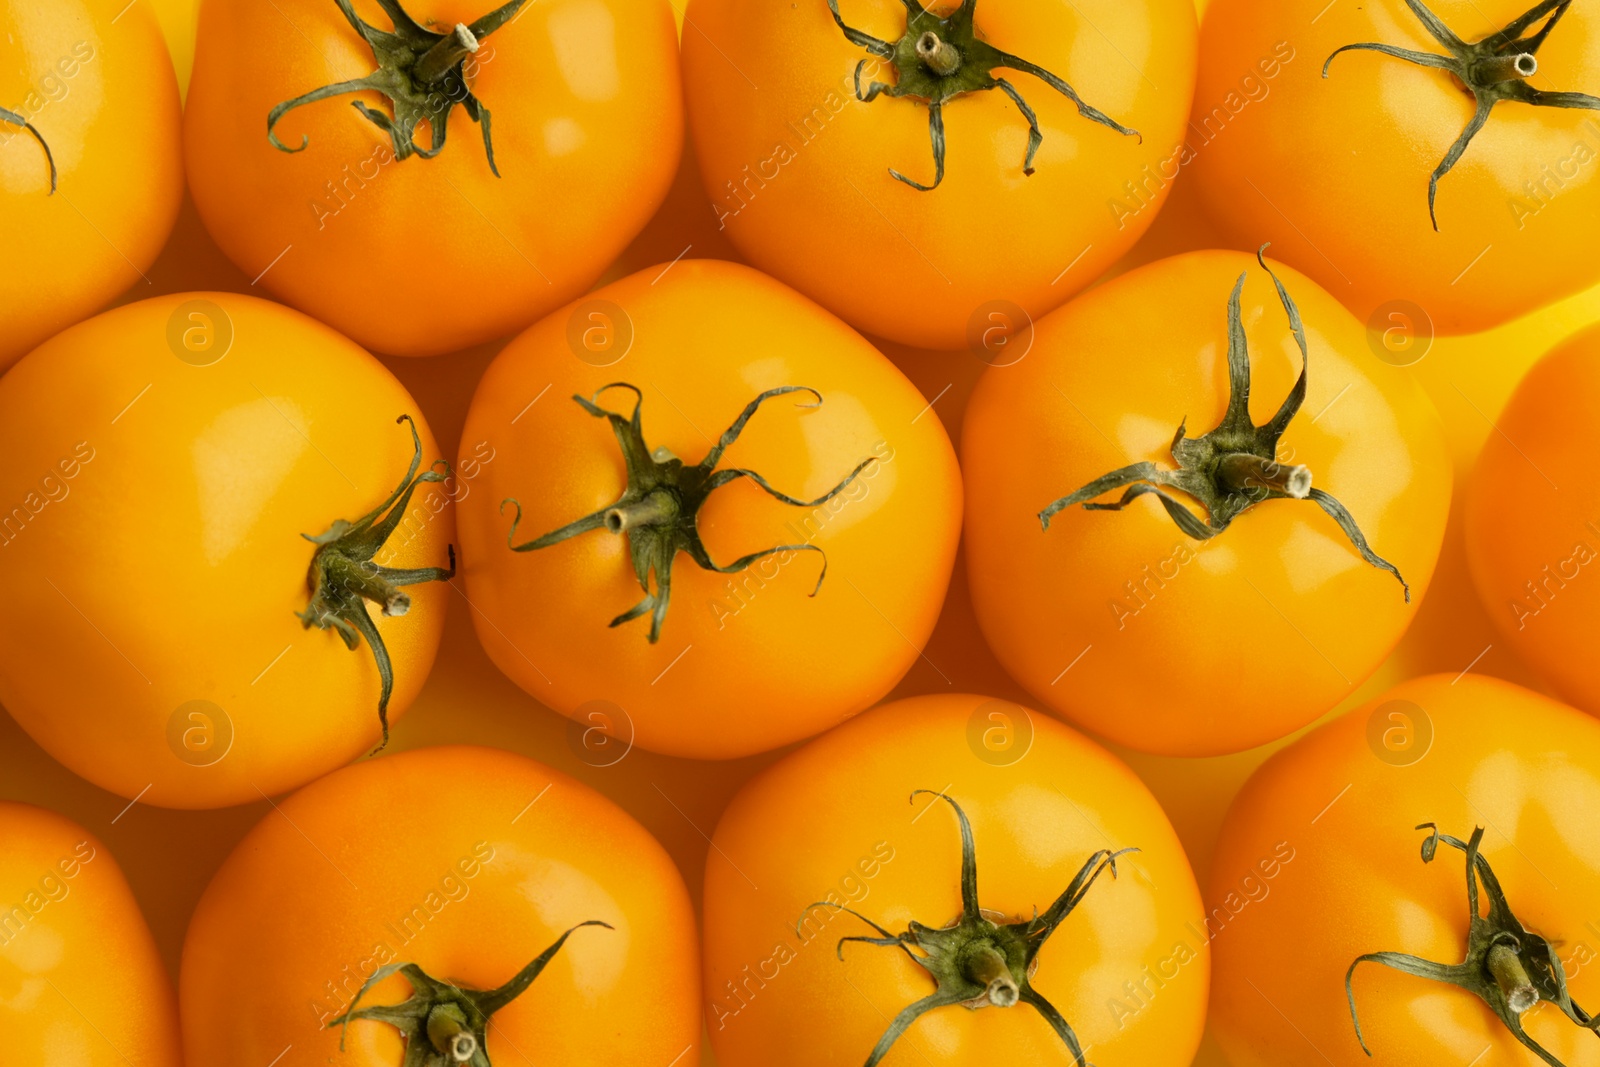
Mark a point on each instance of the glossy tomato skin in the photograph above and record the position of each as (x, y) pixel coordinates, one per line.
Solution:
(154, 551)
(707, 338)
(1344, 800)
(416, 256)
(468, 862)
(1533, 519)
(96, 81)
(798, 169)
(1123, 623)
(1041, 799)
(80, 980)
(1335, 171)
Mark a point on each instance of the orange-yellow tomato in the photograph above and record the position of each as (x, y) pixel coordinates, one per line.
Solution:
(1335, 170)
(852, 441)
(798, 167)
(467, 863)
(1126, 968)
(92, 82)
(1533, 520)
(1124, 622)
(80, 981)
(415, 256)
(168, 461)
(1318, 864)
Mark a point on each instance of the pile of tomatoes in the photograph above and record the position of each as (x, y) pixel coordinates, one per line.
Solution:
(799, 534)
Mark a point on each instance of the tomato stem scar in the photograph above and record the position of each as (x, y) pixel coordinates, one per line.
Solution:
(1235, 466)
(343, 577)
(422, 73)
(1507, 966)
(976, 962)
(14, 119)
(658, 509)
(938, 60)
(1492, 69)
(444, 1024)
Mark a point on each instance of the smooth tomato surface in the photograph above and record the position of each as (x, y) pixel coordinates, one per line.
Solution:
(1125, 968)
(422, 256)
(80, 981)
(94, 79)
(154, 553)
(1334, 171)
(1122, 622)
(748, 661)
(1533, 520)
(797, 167)
(1344, 800)
(468, 862)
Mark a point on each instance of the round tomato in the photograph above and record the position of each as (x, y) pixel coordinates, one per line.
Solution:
(1533, 519)
(1318, 871)
(344, 212)
(1446, 180)
(1226, 608)
(80, 980)
(716, 519)
(203, 492)
(1031, 870)
(920, 171)
(90, 170)
(466, 900)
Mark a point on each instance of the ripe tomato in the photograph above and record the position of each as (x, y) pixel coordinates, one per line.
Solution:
(1533, 519)
(1114, 967)
(842, 473)
(80, 981)
(1337, 170)
(818, 171)
(1186, 639)
(418, 256)
(90, 173)
(1318, 865)
(176, 467)
(429, 878)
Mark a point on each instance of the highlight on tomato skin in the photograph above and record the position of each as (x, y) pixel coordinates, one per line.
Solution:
(1220, 588)
(227, 533)
(1438, 153)
(1532, 514)
(1341, 898)
(81, 975)
(909, 165)
(91, 170)
(961, 852)
(438, 902)
(715, 513)
(429, 175)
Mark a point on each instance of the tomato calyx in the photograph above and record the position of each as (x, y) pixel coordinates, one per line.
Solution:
(940, 59)
(657, 512)
(1507, 966)
(343, 577)
(444, 1024)
(422, 73)
(1235, 466)
(1493, 69)
(975, 961)
(13, 119)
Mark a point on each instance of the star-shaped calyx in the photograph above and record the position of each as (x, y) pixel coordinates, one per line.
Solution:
(422, 73)
(976, 962)
(659, 508)
(1235, 466)
(939, 59)
(1507, 966)
(1494, 69)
